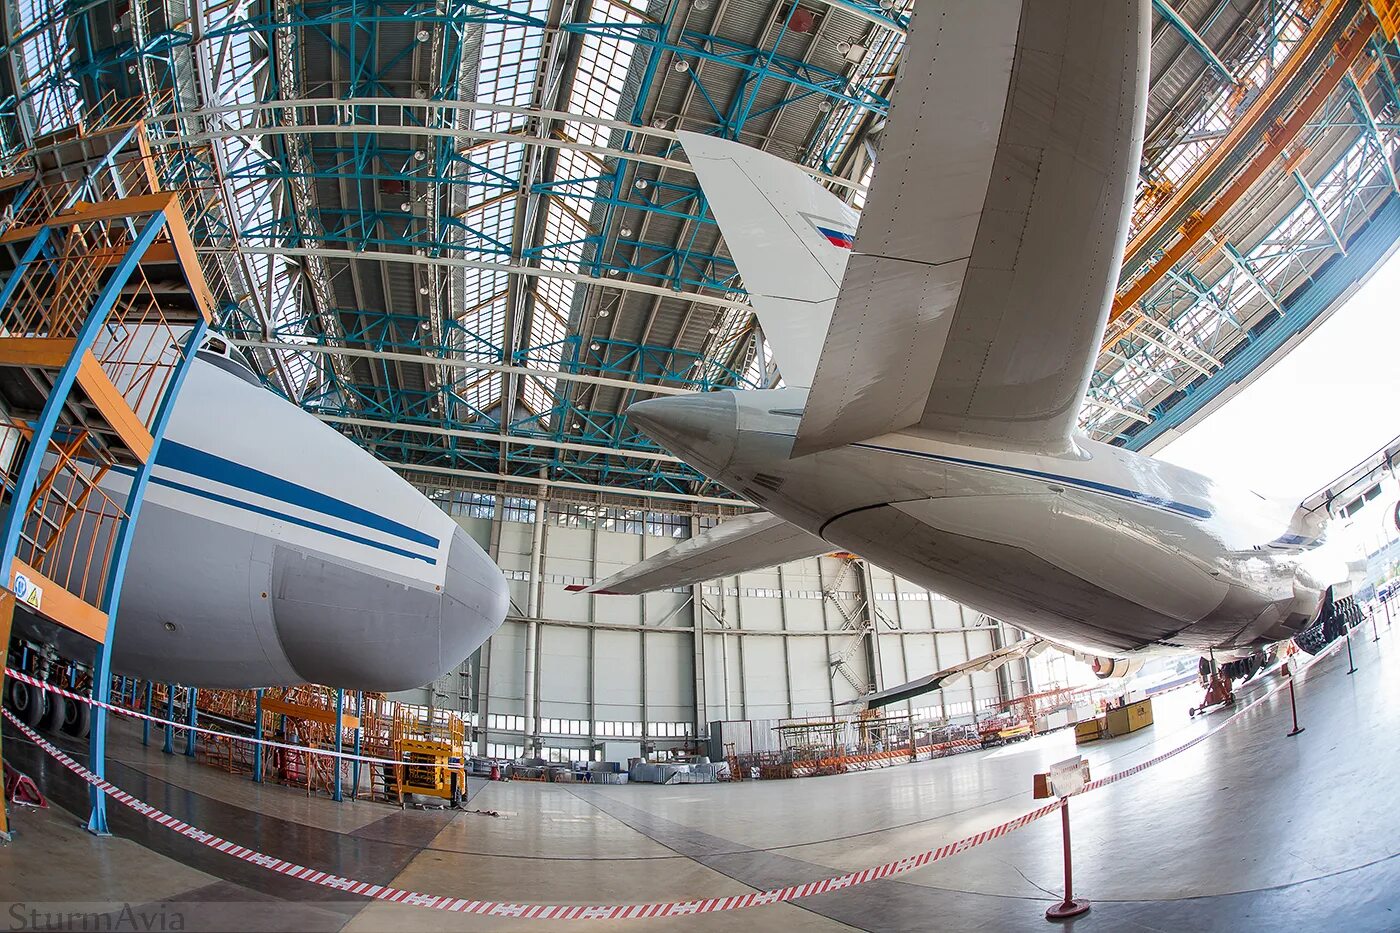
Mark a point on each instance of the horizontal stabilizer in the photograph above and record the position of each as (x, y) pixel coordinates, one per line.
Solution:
(1026, 647)
(750, 542)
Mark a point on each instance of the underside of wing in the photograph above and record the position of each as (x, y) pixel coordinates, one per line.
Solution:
(1026, 647)
(750, 542)
(983, 267)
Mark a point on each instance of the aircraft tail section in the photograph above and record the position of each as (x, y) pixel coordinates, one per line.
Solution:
(789, 237)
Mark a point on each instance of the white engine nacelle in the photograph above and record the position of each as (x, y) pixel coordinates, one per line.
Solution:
(1114, 668)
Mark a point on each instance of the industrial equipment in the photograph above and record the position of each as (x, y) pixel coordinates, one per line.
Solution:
(431, 743)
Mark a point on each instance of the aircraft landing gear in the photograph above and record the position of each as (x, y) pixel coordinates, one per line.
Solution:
(1219, 693)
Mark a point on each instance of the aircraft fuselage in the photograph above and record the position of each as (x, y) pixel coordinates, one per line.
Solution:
(1106, 550)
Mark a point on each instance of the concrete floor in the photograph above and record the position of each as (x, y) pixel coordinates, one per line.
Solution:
(1248, 830)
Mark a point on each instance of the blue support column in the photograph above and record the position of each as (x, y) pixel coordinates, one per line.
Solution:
(339, 732)
(146, 723)
(126, 531)
(169, 748)
(30, 468)
(31, 253)
(193, 695)
(257, 734)
(359, 726)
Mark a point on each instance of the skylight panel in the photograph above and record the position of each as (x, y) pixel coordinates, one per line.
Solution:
(603, 65)
(509, 63)
(44, 62)
(489, 175)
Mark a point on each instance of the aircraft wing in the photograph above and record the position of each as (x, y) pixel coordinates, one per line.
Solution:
(988, 250)
(1026, 647)
(750, 542)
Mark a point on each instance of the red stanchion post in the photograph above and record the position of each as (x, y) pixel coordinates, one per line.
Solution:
(1293, 701)
(1374, 631)
(1070, 906)
(1064, 780)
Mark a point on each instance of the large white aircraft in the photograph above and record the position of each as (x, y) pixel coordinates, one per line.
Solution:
(936, 356)
(271, 550)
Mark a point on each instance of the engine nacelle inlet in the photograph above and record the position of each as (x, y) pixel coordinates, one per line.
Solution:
(1114, 668)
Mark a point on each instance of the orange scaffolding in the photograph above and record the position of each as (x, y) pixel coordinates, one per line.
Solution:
(101, 306)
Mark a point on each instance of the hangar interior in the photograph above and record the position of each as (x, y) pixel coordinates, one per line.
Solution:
(466, 237)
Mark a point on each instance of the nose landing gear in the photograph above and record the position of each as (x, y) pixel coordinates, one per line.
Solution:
(1219, 693)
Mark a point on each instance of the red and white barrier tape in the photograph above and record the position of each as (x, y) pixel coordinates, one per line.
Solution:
(614, 911)
(533, 911)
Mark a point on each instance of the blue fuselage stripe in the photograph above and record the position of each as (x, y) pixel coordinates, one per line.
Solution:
(186, 459)
(283, 516)
(1170, 505)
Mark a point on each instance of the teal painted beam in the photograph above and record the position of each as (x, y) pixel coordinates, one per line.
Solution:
(1193, 39)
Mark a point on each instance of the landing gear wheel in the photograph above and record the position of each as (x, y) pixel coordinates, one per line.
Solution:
(26, 702)
(78, 722)
(54, 714)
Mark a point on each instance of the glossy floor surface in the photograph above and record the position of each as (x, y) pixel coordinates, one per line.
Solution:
(1248, 830)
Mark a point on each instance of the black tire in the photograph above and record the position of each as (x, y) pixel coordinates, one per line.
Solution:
(78, 722)
(27, 703)
(55, 712)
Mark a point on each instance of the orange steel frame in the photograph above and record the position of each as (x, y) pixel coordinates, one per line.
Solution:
(1277, 140)
(78, 302)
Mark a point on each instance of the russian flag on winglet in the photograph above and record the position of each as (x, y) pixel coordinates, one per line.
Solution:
(837, 237)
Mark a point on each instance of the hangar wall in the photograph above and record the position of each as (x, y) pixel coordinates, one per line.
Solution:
(790, 641)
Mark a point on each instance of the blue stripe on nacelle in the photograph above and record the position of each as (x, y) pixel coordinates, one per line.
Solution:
(185, 459)
(283, 516)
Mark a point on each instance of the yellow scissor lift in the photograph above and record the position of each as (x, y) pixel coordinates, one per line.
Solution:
(432, 744)
(101, 308)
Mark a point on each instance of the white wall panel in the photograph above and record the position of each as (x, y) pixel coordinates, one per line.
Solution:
(670, 669)
(891, 647)
(617, 682)
(761, 613)
(764, 690)
(507, 668)
(811, 678)
(916, 615)
(564, 671)
(923, 656)
(478, 528)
